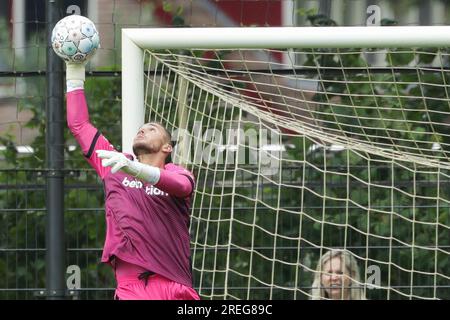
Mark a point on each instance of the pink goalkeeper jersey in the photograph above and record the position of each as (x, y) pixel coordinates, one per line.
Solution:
(146, 225)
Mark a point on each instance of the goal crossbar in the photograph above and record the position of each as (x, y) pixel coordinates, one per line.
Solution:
(135, 40)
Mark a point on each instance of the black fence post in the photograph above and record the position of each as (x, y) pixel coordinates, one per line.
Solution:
(55, 244)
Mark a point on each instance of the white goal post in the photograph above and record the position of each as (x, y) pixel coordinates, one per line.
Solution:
(135, 40)
(305, 142)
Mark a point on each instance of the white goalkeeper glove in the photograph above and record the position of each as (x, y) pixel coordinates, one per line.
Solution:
(75, 75)
(118, 161)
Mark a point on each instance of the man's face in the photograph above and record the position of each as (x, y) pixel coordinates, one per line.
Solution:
(150, 138)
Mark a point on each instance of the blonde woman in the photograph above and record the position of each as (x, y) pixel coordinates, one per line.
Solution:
(337, 277)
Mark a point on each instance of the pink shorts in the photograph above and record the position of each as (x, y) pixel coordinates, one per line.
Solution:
(130, 287)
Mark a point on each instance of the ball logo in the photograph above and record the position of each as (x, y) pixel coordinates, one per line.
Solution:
(149, 190)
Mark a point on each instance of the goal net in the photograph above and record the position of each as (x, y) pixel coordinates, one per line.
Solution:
(330, 139)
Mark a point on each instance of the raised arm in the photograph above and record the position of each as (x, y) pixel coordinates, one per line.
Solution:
(87, 136)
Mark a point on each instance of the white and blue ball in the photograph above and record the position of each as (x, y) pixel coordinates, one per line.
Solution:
(75, 38)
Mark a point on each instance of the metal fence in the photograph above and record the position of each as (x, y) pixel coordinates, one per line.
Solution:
(23, 235)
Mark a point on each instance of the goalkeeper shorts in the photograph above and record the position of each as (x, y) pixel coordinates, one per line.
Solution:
(135, 283)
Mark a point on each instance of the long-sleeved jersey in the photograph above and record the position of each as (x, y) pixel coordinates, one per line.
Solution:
(147, 225)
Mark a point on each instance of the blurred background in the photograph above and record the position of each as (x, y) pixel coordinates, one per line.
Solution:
(23, 45)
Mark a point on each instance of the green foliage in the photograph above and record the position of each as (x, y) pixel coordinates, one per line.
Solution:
(177, 18)
(303, 12)
(377, 198)
(22, 198)
(321, 20)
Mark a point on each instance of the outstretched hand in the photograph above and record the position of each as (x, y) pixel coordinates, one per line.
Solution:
(116, 160)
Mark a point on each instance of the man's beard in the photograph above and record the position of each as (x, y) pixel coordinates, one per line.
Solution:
(142, 148)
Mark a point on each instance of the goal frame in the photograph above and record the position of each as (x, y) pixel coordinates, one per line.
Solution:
(136, 40)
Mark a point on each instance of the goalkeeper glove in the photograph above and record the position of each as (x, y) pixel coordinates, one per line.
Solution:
(75, 75)
(118, 161)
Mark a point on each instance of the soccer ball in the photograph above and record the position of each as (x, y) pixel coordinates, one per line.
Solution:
(75, 38)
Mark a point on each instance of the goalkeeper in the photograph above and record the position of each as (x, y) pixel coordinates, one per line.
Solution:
(147, 204)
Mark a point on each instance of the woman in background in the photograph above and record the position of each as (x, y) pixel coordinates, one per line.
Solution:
(337, 277)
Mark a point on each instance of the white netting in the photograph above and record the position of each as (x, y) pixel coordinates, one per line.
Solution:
(298, 152)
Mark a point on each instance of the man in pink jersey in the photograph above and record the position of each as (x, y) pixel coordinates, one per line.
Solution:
(147, 204)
